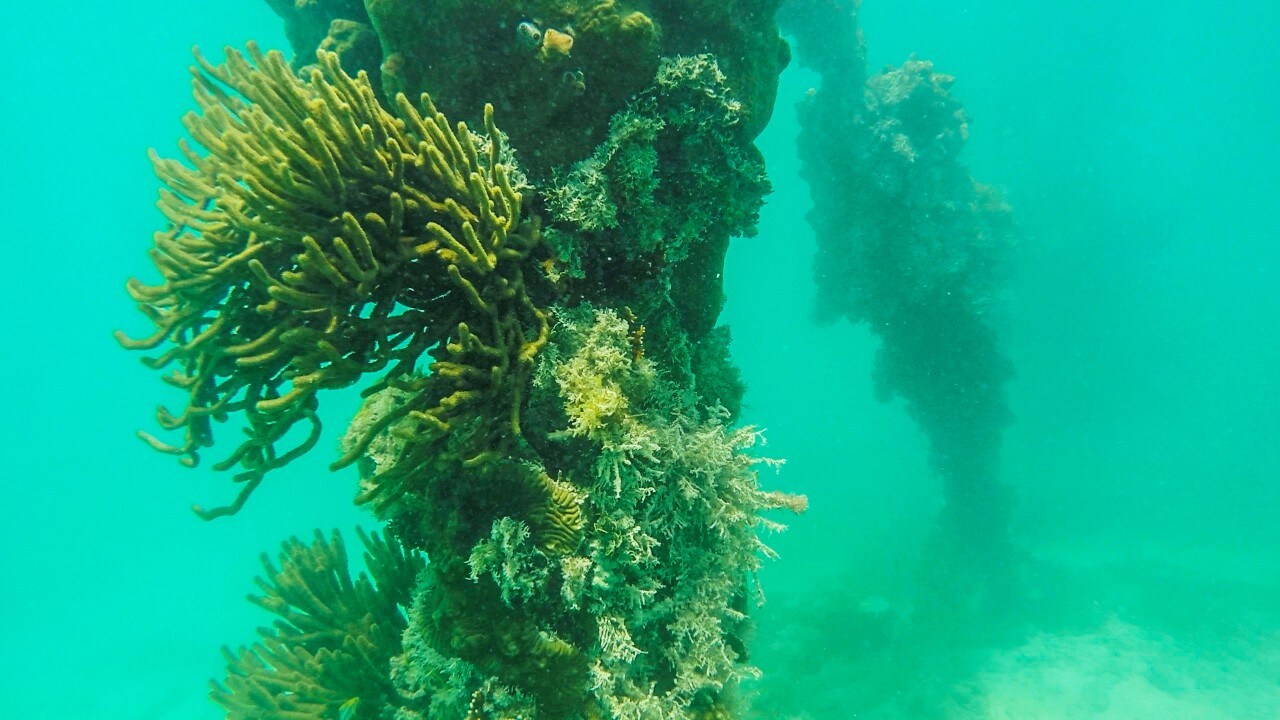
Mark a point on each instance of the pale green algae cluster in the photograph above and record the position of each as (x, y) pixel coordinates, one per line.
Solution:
(573, 516)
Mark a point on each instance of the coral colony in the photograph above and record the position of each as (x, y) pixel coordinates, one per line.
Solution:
(529, 308)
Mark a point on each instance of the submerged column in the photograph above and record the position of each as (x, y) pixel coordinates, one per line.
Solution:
(528, 302)
(910, 244)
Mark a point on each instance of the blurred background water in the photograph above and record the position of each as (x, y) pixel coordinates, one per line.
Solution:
(1137, 143)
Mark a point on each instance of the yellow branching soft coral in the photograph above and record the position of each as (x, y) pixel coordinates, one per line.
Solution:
(332, 645)
(321, 238)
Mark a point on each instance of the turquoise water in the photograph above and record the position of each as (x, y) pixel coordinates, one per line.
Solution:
(1137, 145)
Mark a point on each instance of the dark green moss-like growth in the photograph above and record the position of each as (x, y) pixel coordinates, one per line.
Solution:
(719, 382)
(743, 38)
(645, 222)
(333, 26)
(333, 643)
(557, 70)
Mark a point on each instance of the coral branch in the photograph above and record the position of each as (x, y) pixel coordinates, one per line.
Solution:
(335, 637)
(314, 243)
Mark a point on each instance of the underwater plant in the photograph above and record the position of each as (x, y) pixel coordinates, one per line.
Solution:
(335, 637)
(548, 428)
(323, 239)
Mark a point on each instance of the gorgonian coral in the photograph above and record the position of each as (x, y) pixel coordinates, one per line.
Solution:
(321, 238)
(332, 644)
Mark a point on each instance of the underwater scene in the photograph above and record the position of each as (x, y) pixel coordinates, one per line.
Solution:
(641, 360)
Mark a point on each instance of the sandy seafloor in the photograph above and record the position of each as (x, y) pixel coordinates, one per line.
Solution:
(1137, 144)
(1139, 639)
